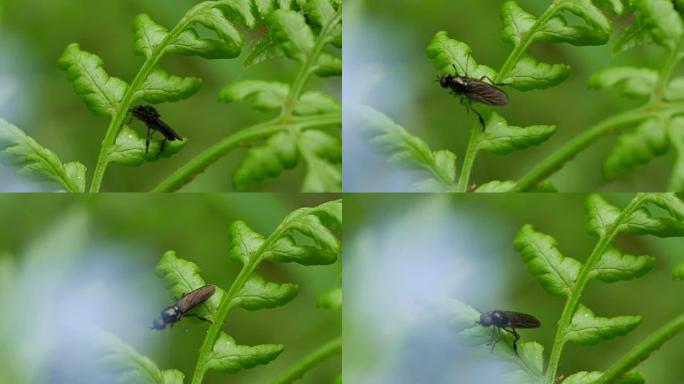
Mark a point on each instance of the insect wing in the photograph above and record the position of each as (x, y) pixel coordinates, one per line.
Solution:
(522, 320)
(195, 298)
(168, 132)
(486, 93)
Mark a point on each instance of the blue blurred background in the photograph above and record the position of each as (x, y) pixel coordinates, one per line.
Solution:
(408, 256)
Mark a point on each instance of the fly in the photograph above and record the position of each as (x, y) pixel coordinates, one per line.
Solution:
(470, 90)
(507, 321)
(149, 115)
(185, 304)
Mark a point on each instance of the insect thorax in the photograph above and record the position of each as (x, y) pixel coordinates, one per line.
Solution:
(171, 313)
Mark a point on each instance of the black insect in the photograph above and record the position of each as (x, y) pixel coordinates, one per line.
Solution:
(149, 115)
(507, 321)
(185, 304)
(470, 90)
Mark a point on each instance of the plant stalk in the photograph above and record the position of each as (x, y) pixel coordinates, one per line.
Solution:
(643, 350)
(225, 306)
(116, 123)
(298, 370)
(201, 162)
(476, 132)
(581, 282)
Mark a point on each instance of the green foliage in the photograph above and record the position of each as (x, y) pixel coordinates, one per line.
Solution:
(207, 30)
(501, 138)
(101, 93)
(521, 71)
(301, 138)
(302, 236)
(182, 277)
(406, 149)
(567, 277)
(33, 159)
(579, 23)
(587, 328)
(556, 273)
(133, 367)
(229, 357)
(678, 272)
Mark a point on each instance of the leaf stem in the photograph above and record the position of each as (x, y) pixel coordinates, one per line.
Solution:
(307, 68)
(567, 152)
(476, 132)
(225, 305)
(582, 279)
(201, 162)
(298, 370)
(150, 63)
(643, 350)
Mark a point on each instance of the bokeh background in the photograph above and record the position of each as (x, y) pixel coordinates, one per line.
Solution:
(72, 266)
(386, 67)
(36, 97)
(408, 255)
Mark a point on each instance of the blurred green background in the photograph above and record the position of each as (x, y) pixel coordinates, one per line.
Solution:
(36, 97)
(386, 67)
(71, 265)
(408, 255)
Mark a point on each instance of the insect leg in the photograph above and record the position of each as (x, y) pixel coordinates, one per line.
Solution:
(515, 342)
(147, 140)
(492, 81)
(161, 148)
(479, 116)
(200, 317)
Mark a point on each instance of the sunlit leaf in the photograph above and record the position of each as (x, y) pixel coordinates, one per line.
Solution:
(322, 153)
(586, 328)
(245, 243)
(530, 74)
(661, 20)
(182, 277)
(160, 87)
(129, 148)
(557, 274)
(20, 150)
(497, 186)
(406, 149)
(257, 294)
(84, 70)
(616, 266)
(229, 357)
(449, 55)
(584, 377)
(501, 138)
(629, 81)
(131, 366)
(278, 153)
(290, 30)
(632, 149)
(261, 95)
(148, 35)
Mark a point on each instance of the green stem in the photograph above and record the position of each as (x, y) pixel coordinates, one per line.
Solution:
(199, 164)
(307, 68)
(189, 171)
(573, 300)
(226, 302)
(148, 66)
(567, 152)
(326, 350)
(643, 350)
(476, 132)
